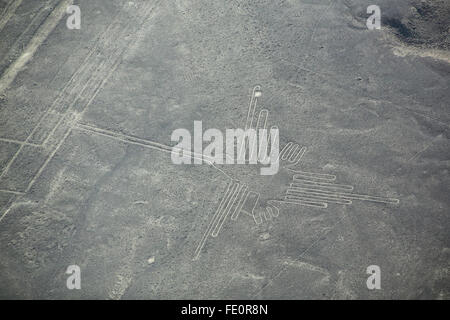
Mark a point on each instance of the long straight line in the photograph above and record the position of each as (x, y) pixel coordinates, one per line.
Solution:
(211, 223)
(322, 184)
(308, 197)
(11, 191)
(227, 210)
(8, 12)
(42, 168)
(346, 195)
(20, 142)
(42, 33)
(12, 71)
(309, 203)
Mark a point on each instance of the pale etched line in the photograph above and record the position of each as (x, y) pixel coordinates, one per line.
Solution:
(20, 142)
(145, 143)
(299, 156)
(252, 107)
(252, 213)
(211, 224)
(97, 89)
(294, 154)
(420, 152)
(315, 204)
(309, 188)
(42, 34)
(307, 266)
(42, 168)
(263, 154)
(314, 191)
(100, 86)
(8, 204)
(118, 53)
(292, 84)
(312, 175)
(13, 158)
(10, 162)
(226, 212)
(268, 214)
(431, 117)
(285, 149)
(102, 82)
(240, 204)
(323, 189)
(292, 195)
(250, 117)
(225, 206)
(59, 98)
(257, 216)
(311, 38)
(331, 188)
(331, 4)
(275, 208)
(77, 81)
(370, 198)
(96, 78)
(349, 196)
(298, 178)
(74, 101)
(11, 191)
(85, 60)
(261, 123)
(290, 152)
(124, 138)
(69, 131)
(75, 78)
(10, 74)
(425, 149)
(8, 209)
(64, 137)
(273, 212)
(8, 12)
(14, 45)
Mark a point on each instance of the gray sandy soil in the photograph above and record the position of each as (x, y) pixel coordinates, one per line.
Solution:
(84, 183)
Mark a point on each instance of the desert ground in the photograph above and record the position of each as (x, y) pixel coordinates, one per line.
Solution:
(87, 179)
